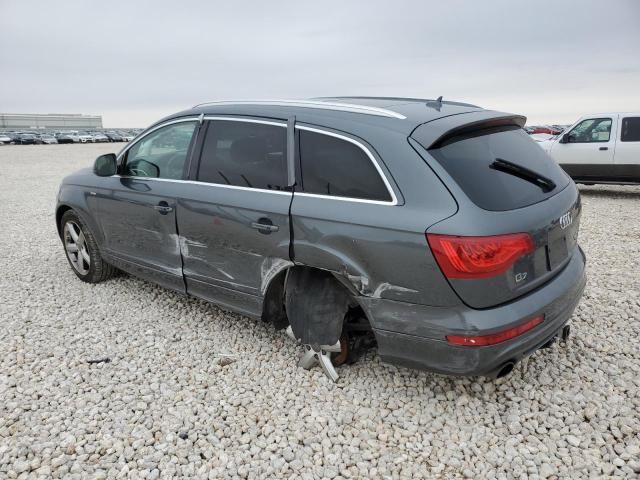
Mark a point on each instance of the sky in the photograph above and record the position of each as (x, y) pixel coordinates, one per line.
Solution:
(135, 62)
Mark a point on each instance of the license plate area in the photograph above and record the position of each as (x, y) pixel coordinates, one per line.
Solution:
(561, 241)
(557, 250)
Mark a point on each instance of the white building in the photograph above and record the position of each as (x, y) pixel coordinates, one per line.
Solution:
(49, 120)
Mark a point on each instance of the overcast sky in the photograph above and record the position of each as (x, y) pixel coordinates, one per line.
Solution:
(134, 62)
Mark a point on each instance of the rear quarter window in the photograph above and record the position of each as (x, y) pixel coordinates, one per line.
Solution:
(468, 160)
(335, 167)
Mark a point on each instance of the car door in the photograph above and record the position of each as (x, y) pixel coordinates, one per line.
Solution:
(233, 219)
(627, 157)
(137, 208)
(586, 151)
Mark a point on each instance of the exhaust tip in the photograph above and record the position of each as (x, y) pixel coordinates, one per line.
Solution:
(506, 369)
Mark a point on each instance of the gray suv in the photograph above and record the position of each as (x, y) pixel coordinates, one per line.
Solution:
(436, 230)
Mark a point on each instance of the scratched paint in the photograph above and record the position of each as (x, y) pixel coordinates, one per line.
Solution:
(176, 241)
(386, 287)
(185, 243)
(230, 277)
(360, 282)
(269, 268)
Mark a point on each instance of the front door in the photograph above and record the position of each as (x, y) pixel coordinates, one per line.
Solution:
(589, 150)
(233, 217)
(137, 209)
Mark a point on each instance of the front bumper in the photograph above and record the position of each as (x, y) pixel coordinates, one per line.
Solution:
(414, 335)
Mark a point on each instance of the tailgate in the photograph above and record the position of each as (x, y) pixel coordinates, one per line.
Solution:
(518, 217)
(553, 225)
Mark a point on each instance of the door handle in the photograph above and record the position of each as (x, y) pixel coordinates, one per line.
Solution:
(265, 225)
(604, 148)
(163, 208)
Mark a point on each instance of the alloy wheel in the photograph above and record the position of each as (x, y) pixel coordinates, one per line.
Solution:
(76, 247)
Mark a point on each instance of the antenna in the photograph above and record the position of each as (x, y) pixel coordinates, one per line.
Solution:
(437, 104)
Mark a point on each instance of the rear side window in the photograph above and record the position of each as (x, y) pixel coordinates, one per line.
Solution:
(630, 129)
(244, 154)
(336, 167)
(477, 163)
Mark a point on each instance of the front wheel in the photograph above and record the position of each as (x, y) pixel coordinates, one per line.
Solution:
(82, 250)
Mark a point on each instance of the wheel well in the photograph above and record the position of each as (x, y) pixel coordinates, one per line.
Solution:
(334, 304)
(273, 310)
(62, 209)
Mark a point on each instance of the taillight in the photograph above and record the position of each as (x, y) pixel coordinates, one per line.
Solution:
(492, 339)
(478, 257)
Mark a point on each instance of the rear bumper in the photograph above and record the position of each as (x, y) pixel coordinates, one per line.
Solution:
(414, 335)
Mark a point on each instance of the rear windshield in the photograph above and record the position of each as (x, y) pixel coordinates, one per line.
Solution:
(487, 165)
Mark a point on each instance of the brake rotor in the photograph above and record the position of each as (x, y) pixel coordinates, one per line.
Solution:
(341, 357)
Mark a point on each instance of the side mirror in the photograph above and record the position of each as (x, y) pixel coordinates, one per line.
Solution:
(105, 165)
(564, 138)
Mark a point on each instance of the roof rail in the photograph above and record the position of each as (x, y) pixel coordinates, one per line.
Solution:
(402, 99)
(343, 107)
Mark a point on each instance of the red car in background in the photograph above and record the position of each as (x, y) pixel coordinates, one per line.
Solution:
(551, 130)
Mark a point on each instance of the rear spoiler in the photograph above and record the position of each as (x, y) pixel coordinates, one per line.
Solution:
(442, 131)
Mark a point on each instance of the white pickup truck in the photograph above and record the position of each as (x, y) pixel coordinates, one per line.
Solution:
(602, 148)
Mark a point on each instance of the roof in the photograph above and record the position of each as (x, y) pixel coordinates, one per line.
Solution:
(393, 113)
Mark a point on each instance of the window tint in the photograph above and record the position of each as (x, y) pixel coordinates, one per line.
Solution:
(471, 162)
(630, 129)
(161, 154)
(591, 130)
(331, 166)
(244, 154)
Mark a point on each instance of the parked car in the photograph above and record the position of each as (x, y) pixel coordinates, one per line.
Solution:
(541, 137)
(99, 137)
(551, 130)
(85, 137)
(26, 139)
(68, 137)
(47, 139)
(600, 148)
(5, 139)
(114, 137)
(438, 227)
(127, 137)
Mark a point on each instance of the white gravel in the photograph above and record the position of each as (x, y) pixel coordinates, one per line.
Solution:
(167, 404)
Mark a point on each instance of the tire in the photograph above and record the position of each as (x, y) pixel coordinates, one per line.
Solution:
(82, 252)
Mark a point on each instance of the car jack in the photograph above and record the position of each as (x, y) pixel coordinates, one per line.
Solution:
(321, 355)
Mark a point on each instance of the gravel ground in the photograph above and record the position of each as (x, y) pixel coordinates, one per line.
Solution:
(192, 391)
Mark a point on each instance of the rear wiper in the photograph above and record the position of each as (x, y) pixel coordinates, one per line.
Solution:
(546, 184)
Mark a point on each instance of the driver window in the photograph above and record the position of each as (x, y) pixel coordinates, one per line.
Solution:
(161, 154)
(591, 130)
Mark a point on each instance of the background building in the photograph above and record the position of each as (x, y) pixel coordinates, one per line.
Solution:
(49, 120)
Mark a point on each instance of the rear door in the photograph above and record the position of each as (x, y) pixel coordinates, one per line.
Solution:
(627, 158)
(589, 150)
(233, 216)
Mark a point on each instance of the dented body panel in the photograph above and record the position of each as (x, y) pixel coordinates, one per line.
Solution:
(380, 250)
(131, 233)
(221, 251)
